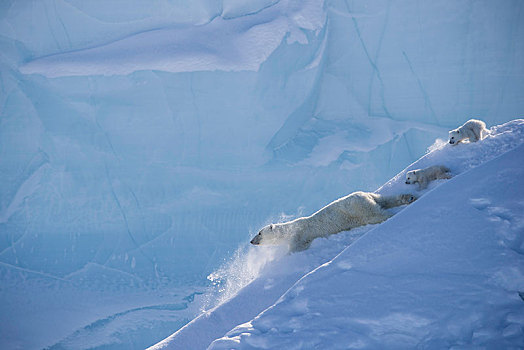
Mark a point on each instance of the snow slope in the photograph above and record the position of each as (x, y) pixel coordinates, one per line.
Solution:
(444, 272)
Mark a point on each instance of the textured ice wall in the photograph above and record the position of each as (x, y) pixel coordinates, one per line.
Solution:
(151, 138)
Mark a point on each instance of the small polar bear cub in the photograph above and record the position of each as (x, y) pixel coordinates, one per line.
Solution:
(354, 210)
(473, 130)
(424, 176)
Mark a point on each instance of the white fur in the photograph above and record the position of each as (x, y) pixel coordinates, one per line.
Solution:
(424, 176)
(473, 130)
(356, 209)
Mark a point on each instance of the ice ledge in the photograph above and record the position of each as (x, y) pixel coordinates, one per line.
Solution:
(239, 44)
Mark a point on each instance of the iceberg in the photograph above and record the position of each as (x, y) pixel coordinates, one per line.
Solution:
(141, 145)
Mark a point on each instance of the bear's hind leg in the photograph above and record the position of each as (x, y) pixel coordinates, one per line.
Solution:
(476, 135)
(378, 216)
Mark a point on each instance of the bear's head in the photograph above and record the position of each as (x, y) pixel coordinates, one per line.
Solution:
(455, 136)
(407, 198)
(411, 177)
(269, 235)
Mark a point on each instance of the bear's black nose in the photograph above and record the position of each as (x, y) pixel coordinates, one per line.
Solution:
(256, 240)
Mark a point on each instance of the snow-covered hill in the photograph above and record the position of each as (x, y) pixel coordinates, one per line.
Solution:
(444, 272)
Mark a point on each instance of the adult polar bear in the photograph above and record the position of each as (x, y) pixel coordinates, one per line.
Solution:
(354, 210)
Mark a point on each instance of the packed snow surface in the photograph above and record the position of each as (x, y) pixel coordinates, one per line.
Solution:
(141, 143)
(446, 271)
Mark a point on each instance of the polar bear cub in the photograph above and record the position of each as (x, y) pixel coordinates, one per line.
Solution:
(354, 210)
(424, 176)
(473, 130)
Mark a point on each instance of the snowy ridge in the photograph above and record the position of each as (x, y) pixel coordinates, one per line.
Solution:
(445, 271)
(463, 157)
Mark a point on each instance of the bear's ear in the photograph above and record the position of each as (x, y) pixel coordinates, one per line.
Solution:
(271, 226)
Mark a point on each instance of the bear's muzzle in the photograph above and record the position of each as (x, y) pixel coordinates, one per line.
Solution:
(256, 240)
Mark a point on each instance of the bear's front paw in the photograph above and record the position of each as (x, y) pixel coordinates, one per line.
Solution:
(298, 244)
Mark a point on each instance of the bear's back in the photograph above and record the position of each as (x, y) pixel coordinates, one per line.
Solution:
(474, 124)
(435, 170)
(357, 202)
